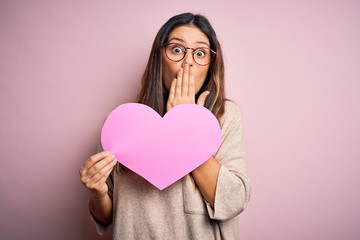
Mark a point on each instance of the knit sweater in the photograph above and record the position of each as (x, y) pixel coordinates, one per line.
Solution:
(141, 211)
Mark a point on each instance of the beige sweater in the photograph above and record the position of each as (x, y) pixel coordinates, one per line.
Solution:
(141, 211)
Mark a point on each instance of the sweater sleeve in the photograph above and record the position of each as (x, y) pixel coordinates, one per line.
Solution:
(233, 185)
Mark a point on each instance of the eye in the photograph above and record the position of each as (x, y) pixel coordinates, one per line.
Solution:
(177, 49)
(200, 53)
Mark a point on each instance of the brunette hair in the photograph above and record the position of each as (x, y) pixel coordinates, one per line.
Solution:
(152, 91)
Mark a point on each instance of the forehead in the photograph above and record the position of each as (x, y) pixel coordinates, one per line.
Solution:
(189, 34)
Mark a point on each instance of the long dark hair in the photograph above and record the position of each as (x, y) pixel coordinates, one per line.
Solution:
(152, 91)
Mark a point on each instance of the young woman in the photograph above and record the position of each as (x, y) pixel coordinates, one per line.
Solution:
(185, 66)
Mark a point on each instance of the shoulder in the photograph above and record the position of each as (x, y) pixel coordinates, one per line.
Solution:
(232, 112)
(231, 107)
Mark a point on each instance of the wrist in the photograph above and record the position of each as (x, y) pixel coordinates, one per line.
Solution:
(97, 195)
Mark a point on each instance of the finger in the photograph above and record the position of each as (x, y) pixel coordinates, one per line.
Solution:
(93, 160)
(171, 95)
(100, 165)
(103, 173)
(103, 178)
(91, 181)
(172, 90)
(191, 92)
(178, 83)
(202, 98)
(185, 81)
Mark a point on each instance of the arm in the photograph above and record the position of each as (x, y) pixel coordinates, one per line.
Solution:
(205, 177)
(182, 90)
(232, 191)
(222, 180)
(101, 208)
(94, 174)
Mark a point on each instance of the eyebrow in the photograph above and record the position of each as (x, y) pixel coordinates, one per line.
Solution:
(183, 41)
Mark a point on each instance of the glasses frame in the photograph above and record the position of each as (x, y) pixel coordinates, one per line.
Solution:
(213, 53)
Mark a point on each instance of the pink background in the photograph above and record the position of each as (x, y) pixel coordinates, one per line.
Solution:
(292, 66)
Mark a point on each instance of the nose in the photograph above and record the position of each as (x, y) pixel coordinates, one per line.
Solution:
(188, 59)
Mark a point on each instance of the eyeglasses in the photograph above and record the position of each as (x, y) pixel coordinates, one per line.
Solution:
(176, 52)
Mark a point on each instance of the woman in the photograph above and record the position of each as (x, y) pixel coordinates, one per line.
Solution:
(185, 66)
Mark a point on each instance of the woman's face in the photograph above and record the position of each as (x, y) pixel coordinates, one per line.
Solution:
(191, 37)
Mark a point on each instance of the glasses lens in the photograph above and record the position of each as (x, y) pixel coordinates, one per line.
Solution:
(202, 56)
(175, 52)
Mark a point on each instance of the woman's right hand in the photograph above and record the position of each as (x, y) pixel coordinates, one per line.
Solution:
(182, 89)
(95, 171)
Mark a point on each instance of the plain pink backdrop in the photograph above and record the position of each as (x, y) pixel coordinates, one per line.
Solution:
(292, 66)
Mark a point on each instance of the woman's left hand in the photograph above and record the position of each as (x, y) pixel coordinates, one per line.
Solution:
(182, 89)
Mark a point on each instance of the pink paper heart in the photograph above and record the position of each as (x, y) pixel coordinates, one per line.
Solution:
(161, 150)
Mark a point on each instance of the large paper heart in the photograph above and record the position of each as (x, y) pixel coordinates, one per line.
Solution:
(161, 150)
